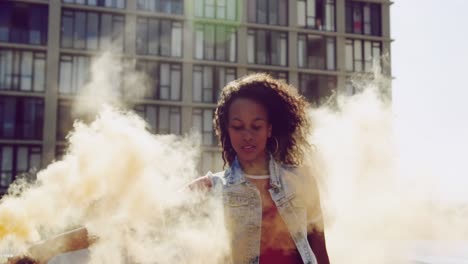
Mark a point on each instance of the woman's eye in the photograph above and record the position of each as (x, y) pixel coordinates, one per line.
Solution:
(236, 128)
(256, 127)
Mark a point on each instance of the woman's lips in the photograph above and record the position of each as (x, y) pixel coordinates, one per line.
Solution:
(248, 148)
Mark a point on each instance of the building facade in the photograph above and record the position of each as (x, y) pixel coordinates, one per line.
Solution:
(188, 49)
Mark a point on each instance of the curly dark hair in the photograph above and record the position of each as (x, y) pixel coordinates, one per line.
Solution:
(286, 110)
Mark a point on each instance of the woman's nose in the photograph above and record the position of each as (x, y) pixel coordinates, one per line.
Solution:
(247, 135)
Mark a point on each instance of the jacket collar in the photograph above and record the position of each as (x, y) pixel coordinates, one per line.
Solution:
(234, 174)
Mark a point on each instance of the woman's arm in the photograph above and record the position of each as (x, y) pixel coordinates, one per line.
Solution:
(316, 240)
(70, 241)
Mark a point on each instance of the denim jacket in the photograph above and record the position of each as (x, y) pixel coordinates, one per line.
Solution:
(243, 211)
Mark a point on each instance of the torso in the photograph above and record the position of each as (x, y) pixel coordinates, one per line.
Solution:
(276, 244)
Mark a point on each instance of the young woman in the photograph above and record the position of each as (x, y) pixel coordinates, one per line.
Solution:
(261, 124)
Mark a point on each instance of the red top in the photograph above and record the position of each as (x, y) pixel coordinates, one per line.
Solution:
(277, 245)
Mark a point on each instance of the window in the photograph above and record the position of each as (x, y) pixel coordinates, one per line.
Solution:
(21, 118)
(208, 82)
(161, 119)
(273, 12)
(363, 18)
(164, 6)
(163, 81)
(210, 161)
(316, 14)
(22, 70)
(362, 55)
(215, 42)
(159, 37)
(64, 120)
(92, 31)
(23, 23)
(317, 88)
(16, 160)
(281, 75)
(104, 3)
(219, 9)
(316, 52)
(267, 47)
(74, 73)
(202, 121)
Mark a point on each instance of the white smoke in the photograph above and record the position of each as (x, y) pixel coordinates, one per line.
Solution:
(125, 185)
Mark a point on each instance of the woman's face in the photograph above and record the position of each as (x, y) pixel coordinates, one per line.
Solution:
(249, 130)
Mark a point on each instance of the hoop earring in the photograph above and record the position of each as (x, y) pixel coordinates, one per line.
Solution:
(277, 145)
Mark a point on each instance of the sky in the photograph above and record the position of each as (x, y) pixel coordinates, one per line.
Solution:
(430, 92)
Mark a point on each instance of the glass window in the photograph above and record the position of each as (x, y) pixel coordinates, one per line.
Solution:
(23, 23)
(215, 42)
(316, 52)
(26, 71)
(281, 75)
(218, 9)
(142, 37)
(15, 160)
(269, 47)
(317, 88)
(21, 118)
(74, 73)
(210, 161)
(349, 55)
(362, 55)
(273, 12)
(209, 80)
(163, 80)
(165, 6)
(22, 70)
(159, 37)
(363, 18)
(107, 3)
(6, 170)
(202, 121)
(65, 120)
(91, 30)
(161, 119)
(316, 14)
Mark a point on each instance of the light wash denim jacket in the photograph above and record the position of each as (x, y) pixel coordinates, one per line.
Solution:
(243, 211)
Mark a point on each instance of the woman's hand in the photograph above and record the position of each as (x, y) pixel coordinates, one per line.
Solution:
(203, 183)
(23, 260)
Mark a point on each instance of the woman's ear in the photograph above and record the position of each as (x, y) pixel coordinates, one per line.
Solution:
(269, 130)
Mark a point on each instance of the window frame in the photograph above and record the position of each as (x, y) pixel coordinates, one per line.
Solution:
(202, 13)
(303, 16)
(362, 62)
(174, 51)
(24, 34)
(15, 171)
(201, 113)
(104, 39)
(324, 42)
(141, 110)
(15, 65)
(230, 54)
(159, 6)
(19, 119)
(251, 32)
(216, 88)
(98, 3)
(254, 11)
(319, 99)
(375, 18)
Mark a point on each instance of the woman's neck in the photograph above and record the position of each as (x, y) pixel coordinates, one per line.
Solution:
(258, 167)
